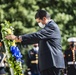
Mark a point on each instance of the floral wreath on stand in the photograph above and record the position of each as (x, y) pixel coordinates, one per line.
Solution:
(12, 51)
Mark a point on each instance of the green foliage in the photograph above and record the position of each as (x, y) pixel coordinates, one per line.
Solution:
(21, 15)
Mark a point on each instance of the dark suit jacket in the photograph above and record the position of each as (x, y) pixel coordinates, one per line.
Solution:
(50, 50)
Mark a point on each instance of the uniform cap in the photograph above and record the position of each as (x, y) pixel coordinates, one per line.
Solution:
(72, 39)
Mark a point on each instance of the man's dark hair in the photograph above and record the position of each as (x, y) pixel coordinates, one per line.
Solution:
(42, 13)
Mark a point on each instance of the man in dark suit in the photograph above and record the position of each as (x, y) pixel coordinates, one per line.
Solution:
(51, 58)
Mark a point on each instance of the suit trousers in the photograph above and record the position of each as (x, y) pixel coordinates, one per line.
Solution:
(51, 71)
(71, 70)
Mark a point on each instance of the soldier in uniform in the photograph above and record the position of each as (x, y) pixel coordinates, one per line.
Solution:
(2, 61)
(32, 60)
(70, 57)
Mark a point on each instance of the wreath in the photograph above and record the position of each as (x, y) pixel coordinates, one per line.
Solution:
(12, 51)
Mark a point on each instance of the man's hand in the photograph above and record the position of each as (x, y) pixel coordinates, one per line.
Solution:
(11, 37)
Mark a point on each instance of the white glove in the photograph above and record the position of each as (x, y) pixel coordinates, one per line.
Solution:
(29, 73)
(65, 74)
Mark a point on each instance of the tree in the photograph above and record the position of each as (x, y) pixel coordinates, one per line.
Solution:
(21, 14)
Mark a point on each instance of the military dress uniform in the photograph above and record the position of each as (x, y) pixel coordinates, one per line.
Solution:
(2, 69)
(70, 59)
(32, 62)
(2, 60)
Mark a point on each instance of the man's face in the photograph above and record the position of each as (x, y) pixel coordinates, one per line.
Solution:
(43, 21)
(35, 45)
(0, 44)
